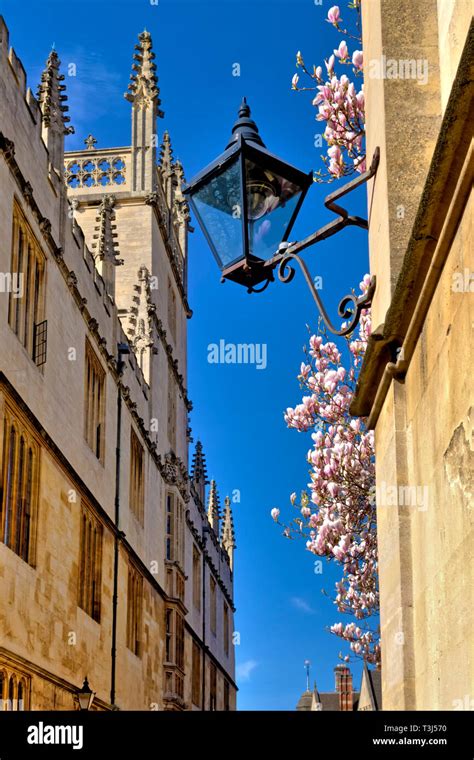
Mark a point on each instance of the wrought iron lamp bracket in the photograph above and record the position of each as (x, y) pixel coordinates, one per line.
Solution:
(351, 306)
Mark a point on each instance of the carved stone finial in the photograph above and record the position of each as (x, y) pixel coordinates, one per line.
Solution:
(90, 142)
(51, 100)
(213, 508)
(199, 472)
(105, 247)
(227, 532)
(166, 153)
(166, 169)
(138, 323)
(180, 204)
(50, 97)
(143, 87)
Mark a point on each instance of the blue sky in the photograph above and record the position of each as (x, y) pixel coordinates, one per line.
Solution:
(282, 614)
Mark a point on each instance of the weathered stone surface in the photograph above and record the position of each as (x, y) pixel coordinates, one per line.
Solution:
(424, 429)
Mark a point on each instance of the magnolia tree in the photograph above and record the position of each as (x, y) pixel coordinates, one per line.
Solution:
(340, 104)
(337, 511)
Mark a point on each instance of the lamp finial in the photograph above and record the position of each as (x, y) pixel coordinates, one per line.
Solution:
(245, 126)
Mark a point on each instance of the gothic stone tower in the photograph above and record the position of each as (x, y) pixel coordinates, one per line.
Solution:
(147, 269)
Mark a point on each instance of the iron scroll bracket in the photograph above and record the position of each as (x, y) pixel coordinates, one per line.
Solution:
(350, 306)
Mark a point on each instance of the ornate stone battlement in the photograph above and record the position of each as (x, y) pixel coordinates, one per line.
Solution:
(98, 170)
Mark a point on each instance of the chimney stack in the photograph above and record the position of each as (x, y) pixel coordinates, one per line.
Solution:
(344, 687)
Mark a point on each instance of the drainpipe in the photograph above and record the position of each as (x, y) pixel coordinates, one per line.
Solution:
(205, 531)
(122, 348)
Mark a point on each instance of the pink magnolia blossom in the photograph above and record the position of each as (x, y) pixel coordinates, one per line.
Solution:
(275, 513)
(339, 104)
(358, 59)
(330, 64)
(334, 15)
(342, 51)
(338, 516)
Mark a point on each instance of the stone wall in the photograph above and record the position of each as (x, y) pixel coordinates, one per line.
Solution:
(420, 403)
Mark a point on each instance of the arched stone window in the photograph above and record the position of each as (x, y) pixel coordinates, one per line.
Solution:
(3, 686)
(12, 694)
(18, 487)
(21, 695)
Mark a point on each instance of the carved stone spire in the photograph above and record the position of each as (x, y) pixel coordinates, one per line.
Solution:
(143, 85)
(138, 322)
(213, 511)
(167, 169)
(199, 472)
(105, 247)
(143, 93)
(181, 213)
(51, 102)
(166, 152)
(227, 532)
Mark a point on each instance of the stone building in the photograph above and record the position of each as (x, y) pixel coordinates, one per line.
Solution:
(370, 697)
(116, 560)
(416, 383)
(343, 699)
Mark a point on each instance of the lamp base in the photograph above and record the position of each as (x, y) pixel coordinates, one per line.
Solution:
(248, 272)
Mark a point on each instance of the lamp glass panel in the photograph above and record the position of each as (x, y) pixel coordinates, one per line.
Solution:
(271, 202)
(218, 204)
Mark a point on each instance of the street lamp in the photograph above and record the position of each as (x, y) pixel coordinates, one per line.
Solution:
(246, 202)
(85, 696)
